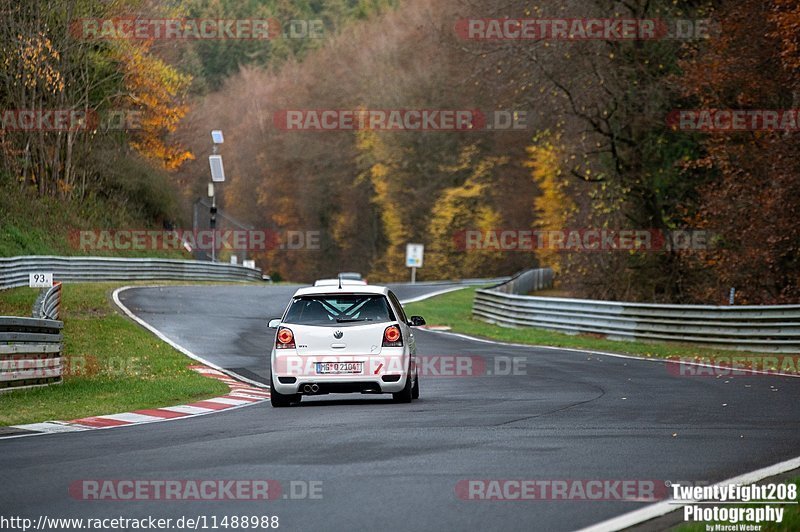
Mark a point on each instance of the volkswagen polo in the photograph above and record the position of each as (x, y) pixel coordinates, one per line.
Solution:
(344, 339)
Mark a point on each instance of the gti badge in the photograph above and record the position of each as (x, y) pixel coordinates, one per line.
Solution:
(338, 334)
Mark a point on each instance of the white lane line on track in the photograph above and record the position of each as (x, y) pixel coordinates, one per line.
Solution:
(163, 337)
(432, 294)
(659, 509)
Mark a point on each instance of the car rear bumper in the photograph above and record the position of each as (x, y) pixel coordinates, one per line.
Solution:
(381, 374)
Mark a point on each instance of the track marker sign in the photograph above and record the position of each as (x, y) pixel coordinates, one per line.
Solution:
(40, 280)
(414, 256)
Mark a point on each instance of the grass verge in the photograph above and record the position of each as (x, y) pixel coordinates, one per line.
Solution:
(18, 301)
(454, 310)
(111, 364)
(47, 225)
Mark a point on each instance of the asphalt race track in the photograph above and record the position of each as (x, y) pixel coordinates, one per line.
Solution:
(385, 466)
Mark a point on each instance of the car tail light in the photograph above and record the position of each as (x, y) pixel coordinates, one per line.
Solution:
(392, 337)
(284, 339)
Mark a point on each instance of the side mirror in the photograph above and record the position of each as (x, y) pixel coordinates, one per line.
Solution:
(273, 323)
(417, 321)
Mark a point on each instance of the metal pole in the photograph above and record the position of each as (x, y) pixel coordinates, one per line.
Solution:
(731, 296)
(213, 228)
(413, 274)
(214, 150)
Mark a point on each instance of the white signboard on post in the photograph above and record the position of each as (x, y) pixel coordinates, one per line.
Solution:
(40, 280)
(414, 255)
(217, 170)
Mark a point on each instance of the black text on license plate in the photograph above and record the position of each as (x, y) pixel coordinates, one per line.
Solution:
(339, 368)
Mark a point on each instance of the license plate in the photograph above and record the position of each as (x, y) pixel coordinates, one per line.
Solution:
(339, 368)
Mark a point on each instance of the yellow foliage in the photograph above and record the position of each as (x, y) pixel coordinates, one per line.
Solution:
(380, 173)
(553, 206)
(157, 90)
(467, 207)
(34, 62)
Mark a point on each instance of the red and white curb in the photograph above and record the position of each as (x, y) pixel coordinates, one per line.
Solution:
(240, 395)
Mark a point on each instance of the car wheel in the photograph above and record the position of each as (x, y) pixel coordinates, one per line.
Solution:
(278, 399)
(415, 389)
(405, 395)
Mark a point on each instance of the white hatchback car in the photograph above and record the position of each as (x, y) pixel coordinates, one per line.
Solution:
(348, 339)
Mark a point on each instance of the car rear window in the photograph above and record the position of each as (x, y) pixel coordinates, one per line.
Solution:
(339, 310)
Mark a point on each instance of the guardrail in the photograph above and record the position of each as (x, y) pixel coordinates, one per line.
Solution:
(14, 270)
(48, 304)
(748, 328)
(30, 352)
(526, 281)
(31, 348)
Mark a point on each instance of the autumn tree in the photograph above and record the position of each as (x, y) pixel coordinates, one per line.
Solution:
(467, 207)
(156, 91)
(608, 98)
(553, 205)
(752, 202)
(49, 65)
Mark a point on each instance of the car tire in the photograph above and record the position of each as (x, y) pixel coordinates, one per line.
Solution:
(405, 395)
(415, 389)
(279, 400)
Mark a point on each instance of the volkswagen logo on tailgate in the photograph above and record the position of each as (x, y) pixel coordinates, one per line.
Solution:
(338, 334)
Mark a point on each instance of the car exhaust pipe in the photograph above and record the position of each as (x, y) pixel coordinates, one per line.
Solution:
(307, 388)
(314, 388)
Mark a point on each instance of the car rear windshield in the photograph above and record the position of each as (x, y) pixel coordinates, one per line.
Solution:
(338, 310)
